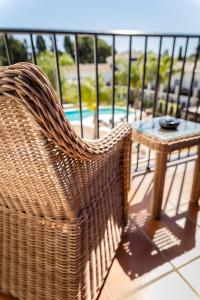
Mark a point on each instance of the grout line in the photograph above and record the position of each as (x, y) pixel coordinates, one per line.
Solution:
(188, 283)
(188, 262)
(108, 292)
(169, 261)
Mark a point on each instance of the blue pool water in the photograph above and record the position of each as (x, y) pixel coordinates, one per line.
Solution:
(75, 115)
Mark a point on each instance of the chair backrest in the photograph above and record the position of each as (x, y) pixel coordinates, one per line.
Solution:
(45, 167)
(38, 147)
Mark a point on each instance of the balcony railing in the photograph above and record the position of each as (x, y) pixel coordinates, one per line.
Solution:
(167, 82)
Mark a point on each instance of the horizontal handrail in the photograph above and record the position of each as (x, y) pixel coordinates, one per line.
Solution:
(81, 32)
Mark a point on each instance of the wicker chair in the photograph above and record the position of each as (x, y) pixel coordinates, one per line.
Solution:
(63, 201)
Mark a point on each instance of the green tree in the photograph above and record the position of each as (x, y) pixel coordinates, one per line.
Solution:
(151, 68)
(88, 93)
(166, 52)
(18, 51)
(69, 46)
(86, 50)
(69, 91)
(40, 44)
(180, 57)
(46, 60)
(65, 59)
(137, 72)
(164, 68)
(121, 77)
(104, 50)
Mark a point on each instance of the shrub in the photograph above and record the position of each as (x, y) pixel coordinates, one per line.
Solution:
(148, 103)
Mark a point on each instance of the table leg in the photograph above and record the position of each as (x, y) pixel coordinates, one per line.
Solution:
(159, 180)
(195, 195)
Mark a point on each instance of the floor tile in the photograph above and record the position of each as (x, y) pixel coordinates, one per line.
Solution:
(178, 191)
(168, 287)
(181, 185)
(177, 238)
(141, 200)
(104, 295)
(191, 273)
(136, 264)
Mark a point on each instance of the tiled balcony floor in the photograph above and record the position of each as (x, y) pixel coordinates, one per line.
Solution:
(158, 260)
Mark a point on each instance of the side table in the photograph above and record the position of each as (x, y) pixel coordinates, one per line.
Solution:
(149, 133)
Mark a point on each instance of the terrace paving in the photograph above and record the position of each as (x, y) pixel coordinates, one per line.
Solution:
(158, 259)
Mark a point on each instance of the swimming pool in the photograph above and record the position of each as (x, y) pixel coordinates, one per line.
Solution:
(74, 115)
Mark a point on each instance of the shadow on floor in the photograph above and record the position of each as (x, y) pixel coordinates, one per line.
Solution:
(149, 243)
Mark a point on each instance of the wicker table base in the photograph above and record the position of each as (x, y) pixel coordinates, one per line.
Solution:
(159, 180)
(195, 195)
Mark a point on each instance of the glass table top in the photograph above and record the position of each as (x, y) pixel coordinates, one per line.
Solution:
(153, 129)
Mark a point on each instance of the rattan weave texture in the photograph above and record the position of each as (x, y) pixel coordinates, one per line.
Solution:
(165, 146)
(63, 201)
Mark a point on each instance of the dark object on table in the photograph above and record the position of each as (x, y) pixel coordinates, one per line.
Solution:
(169, 123)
